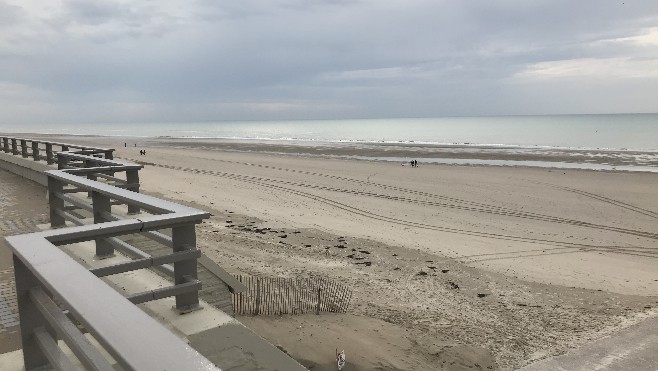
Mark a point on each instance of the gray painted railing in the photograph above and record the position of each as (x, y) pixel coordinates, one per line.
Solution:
(33, 148)
(44, 272)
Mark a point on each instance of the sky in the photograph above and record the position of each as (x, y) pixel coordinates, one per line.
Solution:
(89, 61)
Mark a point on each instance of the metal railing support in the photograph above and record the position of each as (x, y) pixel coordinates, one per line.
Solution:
(35, 151)
(184, 238)
(14, 146)
(5, 144)
(132, 178)
(55, 187)
(101, 204)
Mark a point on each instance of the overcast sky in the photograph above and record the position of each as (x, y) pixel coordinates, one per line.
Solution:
(206, 60)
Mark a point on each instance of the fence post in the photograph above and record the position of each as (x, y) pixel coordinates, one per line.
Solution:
(317, 311)
(257, 310)
(14, 147)
(5, 144)
(30, 317)
(50, 158)
(184, 238)
(55, 203)
(132, 179)
(101, 204)
(35, 151)
(109, 155)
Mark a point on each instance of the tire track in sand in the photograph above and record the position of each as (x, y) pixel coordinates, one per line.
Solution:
(263, 182)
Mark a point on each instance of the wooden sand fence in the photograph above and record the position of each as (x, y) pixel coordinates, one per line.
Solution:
(275, 296)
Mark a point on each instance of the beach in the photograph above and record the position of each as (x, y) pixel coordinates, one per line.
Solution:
(453, 267)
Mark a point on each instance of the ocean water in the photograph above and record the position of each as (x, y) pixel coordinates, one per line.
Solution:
(621, 142)
(616, 132)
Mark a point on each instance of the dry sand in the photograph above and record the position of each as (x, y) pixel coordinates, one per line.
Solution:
(470, 267)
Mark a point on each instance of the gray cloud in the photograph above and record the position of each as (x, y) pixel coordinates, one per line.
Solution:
(208, 60)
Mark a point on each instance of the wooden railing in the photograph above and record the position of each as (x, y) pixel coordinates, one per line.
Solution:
(46, 275)
(34, 148)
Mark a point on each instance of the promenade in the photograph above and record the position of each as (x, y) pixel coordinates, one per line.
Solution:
(23, 206)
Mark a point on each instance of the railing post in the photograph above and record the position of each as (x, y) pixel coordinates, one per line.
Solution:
(184, 238)
(61, 162)
(90, 176)
(132, 179)
(14, 146)
(101, 204)
(30, 317)
(24, 148)
(55, 203)
(65, 148)
(35, 151)
(109, 154)
(50, 158)
(5, 144)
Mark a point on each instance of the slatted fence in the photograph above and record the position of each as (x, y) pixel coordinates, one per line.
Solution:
(274, 296)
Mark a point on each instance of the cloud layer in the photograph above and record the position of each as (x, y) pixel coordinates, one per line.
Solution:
(135, 61)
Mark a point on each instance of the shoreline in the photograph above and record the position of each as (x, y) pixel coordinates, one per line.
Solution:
(453, 154)
(624, 161)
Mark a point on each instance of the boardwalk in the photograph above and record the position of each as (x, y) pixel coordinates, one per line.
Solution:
(22, 207)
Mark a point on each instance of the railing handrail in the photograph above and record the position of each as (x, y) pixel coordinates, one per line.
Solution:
(129, 334)
(147, 202)
(79, 156)
(59, 143)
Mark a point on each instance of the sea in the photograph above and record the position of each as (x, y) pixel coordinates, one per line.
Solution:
(626, 142)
